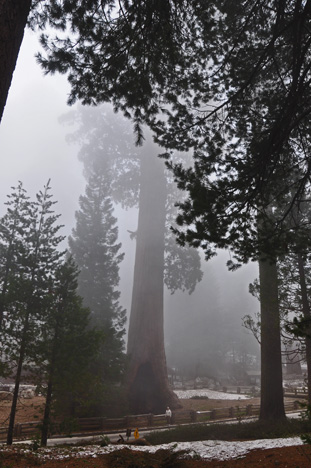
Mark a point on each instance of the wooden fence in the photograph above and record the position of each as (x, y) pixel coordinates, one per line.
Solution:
(102, 425)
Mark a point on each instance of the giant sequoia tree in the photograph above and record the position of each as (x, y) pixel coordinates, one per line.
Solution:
(136, 177)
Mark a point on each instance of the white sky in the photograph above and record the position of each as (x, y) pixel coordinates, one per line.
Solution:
(33, 145)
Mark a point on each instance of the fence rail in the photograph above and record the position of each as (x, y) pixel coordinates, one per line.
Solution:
(99, 424)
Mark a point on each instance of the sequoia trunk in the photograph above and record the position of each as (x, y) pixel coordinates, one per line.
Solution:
(148, 387)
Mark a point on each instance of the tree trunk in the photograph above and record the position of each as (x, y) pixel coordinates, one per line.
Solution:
(13, 19)
(17, 381)
(307, 315)
(48, 400)
(47, 413)
(147, 381)
(272, 403)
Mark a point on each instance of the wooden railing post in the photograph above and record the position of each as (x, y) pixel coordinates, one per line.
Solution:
(17, 432)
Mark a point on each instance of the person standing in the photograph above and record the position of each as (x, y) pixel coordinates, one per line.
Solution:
(168, 415)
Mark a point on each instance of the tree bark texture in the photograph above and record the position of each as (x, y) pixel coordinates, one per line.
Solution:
(307, 315)
(147, 381)
(13, 19)
(272, 402)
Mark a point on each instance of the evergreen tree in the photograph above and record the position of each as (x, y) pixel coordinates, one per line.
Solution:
(67, 347)
(95, 249)
(34, 267)
(13, 226)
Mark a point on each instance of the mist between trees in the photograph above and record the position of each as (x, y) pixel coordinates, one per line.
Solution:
(38, 339)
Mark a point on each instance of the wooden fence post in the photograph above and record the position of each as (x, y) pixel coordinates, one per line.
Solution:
(17, 431)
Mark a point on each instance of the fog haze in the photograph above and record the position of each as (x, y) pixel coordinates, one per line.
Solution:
(33, 149)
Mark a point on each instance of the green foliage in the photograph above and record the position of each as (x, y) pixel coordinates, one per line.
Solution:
(68, 345)
(199, 397)
(45, 329)
(29, 241)
(306, 417)
(242, 431)
(105, 441)
(35, 442)
(95, 249)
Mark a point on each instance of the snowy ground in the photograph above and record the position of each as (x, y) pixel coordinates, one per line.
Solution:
(212, 394)
(207, 450)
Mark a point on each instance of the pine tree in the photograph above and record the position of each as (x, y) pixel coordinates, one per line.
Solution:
(95, 249)
(13, 226)
(34, 268)
(67, 347)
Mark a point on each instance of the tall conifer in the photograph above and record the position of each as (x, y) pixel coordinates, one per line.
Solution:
(95, 249)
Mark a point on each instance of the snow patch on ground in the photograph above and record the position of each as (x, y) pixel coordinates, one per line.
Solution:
(212, 394)
(207, 450)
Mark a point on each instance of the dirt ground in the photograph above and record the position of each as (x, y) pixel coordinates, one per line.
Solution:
(31, 410)
(207, 404)
(28, 410)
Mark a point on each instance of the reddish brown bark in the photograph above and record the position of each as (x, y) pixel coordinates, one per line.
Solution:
(148, 386)
(13, 19)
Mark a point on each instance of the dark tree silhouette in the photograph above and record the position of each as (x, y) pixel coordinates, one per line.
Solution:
(13, 19)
